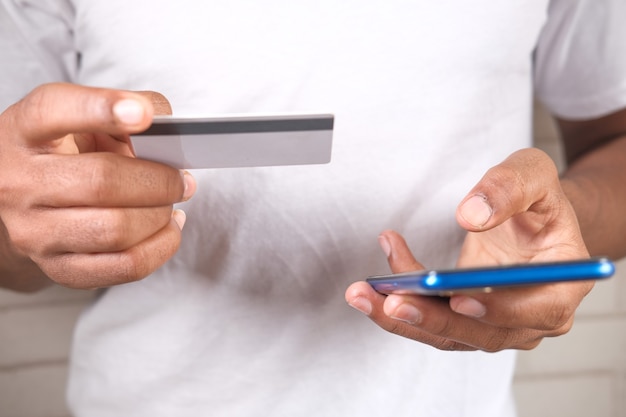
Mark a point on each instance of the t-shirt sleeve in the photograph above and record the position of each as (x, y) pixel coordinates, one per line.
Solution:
(36, 40)
(580, 61)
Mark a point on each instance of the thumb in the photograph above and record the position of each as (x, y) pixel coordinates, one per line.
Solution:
(399, 255)
(525, 181)
(52, 111)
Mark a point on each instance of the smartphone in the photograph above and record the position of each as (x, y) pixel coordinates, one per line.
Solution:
(451, 281)
(234, 141)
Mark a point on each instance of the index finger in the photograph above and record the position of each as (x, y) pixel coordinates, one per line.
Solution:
(102, 179)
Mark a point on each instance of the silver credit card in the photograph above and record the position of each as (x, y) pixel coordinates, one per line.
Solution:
(237, 141)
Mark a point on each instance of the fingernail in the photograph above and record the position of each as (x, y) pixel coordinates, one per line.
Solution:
(190, 185)
(362, 304)
(476, 211)
(469, 307)
(385, 245)
(407, 313)
(129, 112)
(180, 217)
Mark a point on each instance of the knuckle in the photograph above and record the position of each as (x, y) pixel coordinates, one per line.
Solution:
(130, 268)
(141, 260)
(33, 106)
(59, 269)
(530, 345)
(557, 316)
(394, 326)
(40, 103)
(102, 172)
(22, 241)
(36, 97)
(498, 340)
(521, 339)
(564, 329)
(410, 332)
(504, 176)
(444, 327)
(449, 345)
(26, 242)
(398, 327)
(108, 228)
(134, 265)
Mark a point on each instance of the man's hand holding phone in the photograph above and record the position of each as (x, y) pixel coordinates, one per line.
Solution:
(517, 213)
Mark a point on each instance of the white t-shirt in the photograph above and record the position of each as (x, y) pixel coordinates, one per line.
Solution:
(249, 317)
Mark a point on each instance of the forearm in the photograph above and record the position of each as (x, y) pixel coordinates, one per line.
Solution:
(18, 273)
(596, 185)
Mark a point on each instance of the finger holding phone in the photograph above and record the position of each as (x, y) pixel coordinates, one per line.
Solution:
(517, 213)
(76, 207)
